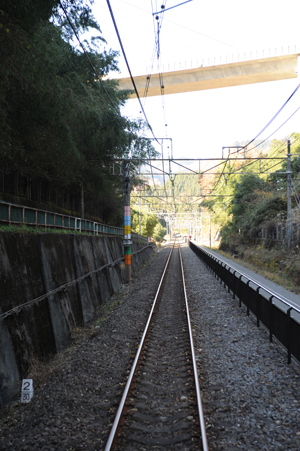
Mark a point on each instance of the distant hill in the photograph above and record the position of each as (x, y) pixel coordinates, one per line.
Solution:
(185, 184)
(264, 147)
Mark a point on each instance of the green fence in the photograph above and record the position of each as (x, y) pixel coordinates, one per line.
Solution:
(19, 214)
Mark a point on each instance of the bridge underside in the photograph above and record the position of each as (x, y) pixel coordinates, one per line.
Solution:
(220, 76)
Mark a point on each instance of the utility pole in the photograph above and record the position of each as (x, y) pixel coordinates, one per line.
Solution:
(289, 200)
(127, 223)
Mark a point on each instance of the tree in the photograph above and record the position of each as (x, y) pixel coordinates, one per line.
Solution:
(159, 232)
(148, 222)
(57, 121)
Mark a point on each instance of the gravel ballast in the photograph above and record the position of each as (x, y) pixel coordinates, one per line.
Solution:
(250, 395)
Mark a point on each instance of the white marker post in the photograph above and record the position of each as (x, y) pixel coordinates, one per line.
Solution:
(27, 390)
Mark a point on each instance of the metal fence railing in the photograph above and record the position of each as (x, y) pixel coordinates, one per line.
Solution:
(20, 214)
(278, 314)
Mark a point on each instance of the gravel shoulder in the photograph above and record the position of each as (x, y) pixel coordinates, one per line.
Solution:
(250, 395)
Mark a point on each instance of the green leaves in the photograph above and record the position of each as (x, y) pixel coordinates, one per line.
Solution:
(259, 193)
(149, 224)
(56, 120)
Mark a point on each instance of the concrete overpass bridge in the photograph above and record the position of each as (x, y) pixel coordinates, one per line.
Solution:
(242, 69)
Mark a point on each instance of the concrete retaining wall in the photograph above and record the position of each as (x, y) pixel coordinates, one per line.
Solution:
(32, 265)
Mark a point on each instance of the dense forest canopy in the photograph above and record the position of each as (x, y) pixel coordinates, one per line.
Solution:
(57, 120)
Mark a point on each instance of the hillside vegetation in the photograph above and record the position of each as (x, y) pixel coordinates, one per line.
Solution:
(252, 198)
(252, 194)
(59, 116)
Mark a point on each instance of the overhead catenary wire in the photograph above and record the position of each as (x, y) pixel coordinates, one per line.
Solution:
(161, 82)
(128, 67)
(178, 24)
(263, 171)
(248, 143)
(255, 147)
(274, 117)
(264, 128)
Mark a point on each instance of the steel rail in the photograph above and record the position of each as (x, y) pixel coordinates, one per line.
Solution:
(197, 385)
(287, 302)
(116, 422)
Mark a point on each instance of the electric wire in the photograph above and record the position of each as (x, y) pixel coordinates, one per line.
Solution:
(274, 117)
(161, 82)
(128, 67)
(148, 79)
(140, 24)
(28, 170)
(179, 25)
(255, 147)
(280, 109)
(235, 173)
(244, 147)
(271, 167)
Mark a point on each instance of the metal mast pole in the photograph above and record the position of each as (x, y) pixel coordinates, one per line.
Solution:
(289, 200)
(127, 223)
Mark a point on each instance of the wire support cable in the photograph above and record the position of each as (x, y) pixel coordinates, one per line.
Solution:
(236, 172)
(171, 7)
(274, 117)
(64, 287)
(178, 24)
(128, 67)
(255, 147)
(247, 150)
(246, 145)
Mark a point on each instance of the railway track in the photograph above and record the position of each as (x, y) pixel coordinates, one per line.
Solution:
(161, 405)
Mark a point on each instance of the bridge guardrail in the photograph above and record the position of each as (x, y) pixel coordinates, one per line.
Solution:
(261, 301)
(19, 214)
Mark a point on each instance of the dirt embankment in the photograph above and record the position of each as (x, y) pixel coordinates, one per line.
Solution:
(276, 263)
